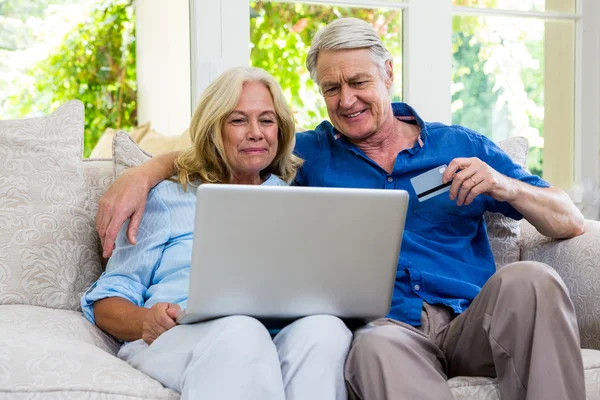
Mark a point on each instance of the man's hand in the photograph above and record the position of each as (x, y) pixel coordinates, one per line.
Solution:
(475, 177)
(124, 199)
(160, 319)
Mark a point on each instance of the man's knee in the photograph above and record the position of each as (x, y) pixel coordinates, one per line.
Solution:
(373, 344)
(531, 278)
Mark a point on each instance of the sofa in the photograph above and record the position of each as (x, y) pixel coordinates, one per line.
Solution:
(50, 254)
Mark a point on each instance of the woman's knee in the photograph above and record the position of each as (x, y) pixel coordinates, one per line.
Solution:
(323, 333)
(243, 336)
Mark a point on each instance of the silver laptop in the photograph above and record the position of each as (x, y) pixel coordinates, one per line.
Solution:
(286, 252)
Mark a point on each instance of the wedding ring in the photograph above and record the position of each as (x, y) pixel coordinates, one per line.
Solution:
(473, 180)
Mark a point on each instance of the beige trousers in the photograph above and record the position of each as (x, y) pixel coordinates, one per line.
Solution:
(521, 328)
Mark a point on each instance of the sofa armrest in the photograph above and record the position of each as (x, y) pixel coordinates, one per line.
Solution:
(577, 261)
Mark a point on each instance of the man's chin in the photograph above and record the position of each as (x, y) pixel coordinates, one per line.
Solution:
(355, 133)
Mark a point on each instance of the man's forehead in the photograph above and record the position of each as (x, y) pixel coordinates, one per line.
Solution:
(335, 68)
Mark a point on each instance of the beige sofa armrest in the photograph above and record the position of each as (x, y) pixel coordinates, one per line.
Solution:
(577, 261)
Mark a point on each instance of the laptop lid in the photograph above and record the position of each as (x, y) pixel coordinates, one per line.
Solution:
(288, 252)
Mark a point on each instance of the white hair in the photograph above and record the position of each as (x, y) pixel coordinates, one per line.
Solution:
(346, 34)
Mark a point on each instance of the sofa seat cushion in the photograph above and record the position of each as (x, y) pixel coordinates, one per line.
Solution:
(479, 388)
(46, 353)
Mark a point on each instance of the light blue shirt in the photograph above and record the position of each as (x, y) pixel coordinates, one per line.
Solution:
(157, 268)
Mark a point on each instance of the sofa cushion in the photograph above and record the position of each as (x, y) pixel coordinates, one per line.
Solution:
(48, 243)
(126, 153)
(59, 354)
(504, 232)
(103, 149)
(480, 388)
(157, 143)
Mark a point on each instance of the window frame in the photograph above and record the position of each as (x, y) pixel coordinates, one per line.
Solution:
(220, 39)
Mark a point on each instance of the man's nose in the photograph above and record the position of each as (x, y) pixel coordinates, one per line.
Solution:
(347, 97)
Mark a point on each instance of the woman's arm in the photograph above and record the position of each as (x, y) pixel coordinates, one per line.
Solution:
(128, 322)
(126, 198)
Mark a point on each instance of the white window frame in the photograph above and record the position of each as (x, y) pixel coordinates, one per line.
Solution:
(221, 35)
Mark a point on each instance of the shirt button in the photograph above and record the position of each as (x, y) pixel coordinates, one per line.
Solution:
(417, 288)
(390, 179)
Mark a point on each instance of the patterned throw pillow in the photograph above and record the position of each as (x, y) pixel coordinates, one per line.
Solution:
(48, 242)
(127, 153)
(504, 232)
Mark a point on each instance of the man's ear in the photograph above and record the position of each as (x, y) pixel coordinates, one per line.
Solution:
(389, 71)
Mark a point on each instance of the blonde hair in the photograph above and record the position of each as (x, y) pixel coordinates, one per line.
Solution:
(205, 160)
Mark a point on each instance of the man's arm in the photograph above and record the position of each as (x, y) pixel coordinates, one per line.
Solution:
(550, 210)
(126, 198)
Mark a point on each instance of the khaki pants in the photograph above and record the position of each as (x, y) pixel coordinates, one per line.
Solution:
(521, 328)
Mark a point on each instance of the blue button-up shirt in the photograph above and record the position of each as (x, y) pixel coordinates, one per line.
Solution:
(446, 256)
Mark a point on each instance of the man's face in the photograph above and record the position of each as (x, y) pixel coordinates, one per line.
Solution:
(355, 92)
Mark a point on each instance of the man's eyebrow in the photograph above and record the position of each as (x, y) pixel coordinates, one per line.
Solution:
(329, 83)
(359, 77)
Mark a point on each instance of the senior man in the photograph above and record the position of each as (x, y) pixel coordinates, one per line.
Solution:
(451, 313)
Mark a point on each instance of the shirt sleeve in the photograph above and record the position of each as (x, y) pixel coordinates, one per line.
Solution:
(130, 268)
(496, 158)
(307, 148)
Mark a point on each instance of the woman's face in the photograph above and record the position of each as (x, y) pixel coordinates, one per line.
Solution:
(250, 134)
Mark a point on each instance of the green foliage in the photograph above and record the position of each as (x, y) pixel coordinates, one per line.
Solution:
(95, 64)
(281, 34)
(477, 96)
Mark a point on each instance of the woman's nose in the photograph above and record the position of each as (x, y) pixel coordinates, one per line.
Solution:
(254, 131)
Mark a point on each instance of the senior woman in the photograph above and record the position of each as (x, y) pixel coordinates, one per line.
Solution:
(242, 133)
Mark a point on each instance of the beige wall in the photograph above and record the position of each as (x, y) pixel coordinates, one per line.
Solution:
(559, 103)
(163, 64)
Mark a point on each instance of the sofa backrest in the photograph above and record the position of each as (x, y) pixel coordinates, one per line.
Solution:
(49, 249)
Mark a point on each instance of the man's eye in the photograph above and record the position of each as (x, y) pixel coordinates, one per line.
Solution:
(360, 83)
(330, 90)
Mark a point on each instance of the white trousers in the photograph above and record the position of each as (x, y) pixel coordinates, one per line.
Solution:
(235, 358)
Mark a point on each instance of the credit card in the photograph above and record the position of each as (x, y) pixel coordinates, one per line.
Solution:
(429, 184)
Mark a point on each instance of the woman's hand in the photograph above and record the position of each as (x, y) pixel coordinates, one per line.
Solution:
(160, 319)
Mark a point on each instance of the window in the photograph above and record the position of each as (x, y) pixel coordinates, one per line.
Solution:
(126, 62)
(451, 63)
(514, 75)
(57, 50)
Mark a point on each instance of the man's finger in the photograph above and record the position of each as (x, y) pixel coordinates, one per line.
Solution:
(455, 165)
(458, 181)
(101, 221)
(134, 225)
(110, 236)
